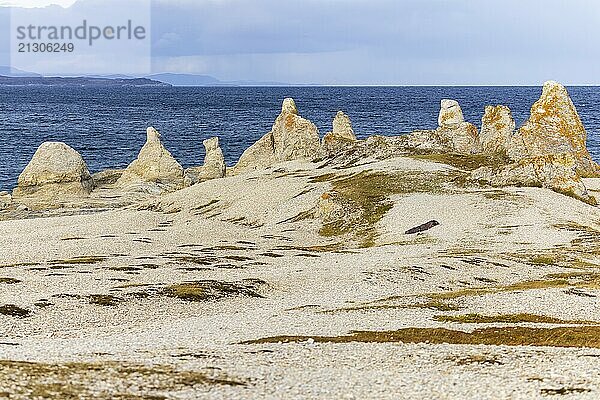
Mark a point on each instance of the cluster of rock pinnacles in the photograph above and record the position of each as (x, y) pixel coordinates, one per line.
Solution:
(549, 150)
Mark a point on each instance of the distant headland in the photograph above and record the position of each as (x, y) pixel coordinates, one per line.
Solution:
(78, 81)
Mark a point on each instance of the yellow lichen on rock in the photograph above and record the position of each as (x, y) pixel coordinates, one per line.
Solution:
(554, 171)
(554, 127)
(341, 136)
(461, 136)
(497, 129)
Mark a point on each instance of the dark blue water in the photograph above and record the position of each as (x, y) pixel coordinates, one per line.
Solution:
(107, 126)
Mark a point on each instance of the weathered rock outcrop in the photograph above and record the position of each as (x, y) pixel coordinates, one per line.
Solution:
(107, 177)
(5, 200)
(155, 169)
(342, 126)
(453, 134)
(291, 138)
(55, 173)
(548, 151)
(214, 164)
(497, 130)
(342, 130)
(341, 137)
(556, 172)
(461, 136)
(554, 128)
(426, 141)
(451, 114)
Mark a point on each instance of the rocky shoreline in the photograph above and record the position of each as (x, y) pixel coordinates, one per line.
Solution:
(548, 151)
(451, 263)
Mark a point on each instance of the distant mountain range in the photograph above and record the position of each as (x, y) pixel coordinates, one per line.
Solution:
(9, 71)
(15, 77)
(206, 80)
(186, 80)
(77, 81)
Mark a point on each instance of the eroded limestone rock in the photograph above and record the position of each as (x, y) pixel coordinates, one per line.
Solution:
(497, 130)
(553, 128)
(154, 169)
(463, 139)
(289, 106)
(214, 161)
(5, 200)
(429, 141)
(451, 115)
(461, 136)
(55, 173)
(342, 134)
(342, 126)
(291, 138)
(556, 171)
(107, 177)
(214, 164)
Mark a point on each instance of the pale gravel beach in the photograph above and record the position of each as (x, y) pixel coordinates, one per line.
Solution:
(418, 266)
(303, 296)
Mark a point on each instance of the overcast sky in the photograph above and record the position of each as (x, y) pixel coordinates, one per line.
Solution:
(373, 41)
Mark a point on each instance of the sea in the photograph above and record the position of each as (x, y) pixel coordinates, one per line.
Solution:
(107, 125)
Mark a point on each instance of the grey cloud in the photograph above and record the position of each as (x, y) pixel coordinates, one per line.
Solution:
(378, 41)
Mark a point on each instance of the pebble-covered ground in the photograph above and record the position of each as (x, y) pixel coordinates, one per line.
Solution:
(237, 288)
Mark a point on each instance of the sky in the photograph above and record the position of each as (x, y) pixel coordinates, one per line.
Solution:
(372, 42)
(36, 3)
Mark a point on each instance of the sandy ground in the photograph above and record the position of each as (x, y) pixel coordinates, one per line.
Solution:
(103, 318)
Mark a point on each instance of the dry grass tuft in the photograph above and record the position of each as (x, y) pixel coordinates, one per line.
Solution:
(507, 319)
(108, 380)
(9, 281)
(364, 197)
(214, 290)
(14, 311)
(584, 336)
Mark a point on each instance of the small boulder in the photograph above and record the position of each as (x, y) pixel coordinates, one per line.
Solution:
(556, 172)
(55, 172)
(554, 128)
(461, 136)
(214, 164)
(154, 166)
(497, 129)
(339, 213)
(330, 207)
(291, 138)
